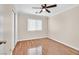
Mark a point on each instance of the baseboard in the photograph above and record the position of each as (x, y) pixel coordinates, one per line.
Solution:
(54, 40)
(32, 38)
(77, 49)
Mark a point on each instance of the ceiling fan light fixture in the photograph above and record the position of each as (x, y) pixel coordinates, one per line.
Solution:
(43, 9)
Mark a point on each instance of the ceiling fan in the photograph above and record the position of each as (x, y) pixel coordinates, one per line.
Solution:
(44, 7)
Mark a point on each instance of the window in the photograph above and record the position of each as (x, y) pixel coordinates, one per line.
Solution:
(34, 25)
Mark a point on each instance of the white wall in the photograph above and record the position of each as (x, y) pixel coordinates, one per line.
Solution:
(64, 27)
(1, 35)
(7, 27)
(23, 33)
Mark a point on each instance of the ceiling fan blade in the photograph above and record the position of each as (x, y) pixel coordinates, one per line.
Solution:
(47, 10)
(41, 11)
(51, 6)
(45, 5)
(36, 7)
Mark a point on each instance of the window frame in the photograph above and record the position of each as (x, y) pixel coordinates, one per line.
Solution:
(35, 29)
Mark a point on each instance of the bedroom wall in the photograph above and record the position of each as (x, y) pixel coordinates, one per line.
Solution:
(7, 27)
(64, 27)
(22, 27)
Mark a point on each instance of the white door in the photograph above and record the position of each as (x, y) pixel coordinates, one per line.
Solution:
(2, 46)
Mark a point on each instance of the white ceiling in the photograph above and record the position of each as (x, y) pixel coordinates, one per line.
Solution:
(27, 8)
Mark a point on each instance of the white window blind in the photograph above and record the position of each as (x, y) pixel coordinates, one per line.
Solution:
(34, 25)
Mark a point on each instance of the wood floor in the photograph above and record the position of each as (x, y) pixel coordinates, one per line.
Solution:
(50, 47)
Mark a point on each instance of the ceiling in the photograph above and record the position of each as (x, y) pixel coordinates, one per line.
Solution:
(27, 8)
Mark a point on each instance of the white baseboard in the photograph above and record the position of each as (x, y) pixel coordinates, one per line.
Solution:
(52, 39)
(32, 38)
(65, 44)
